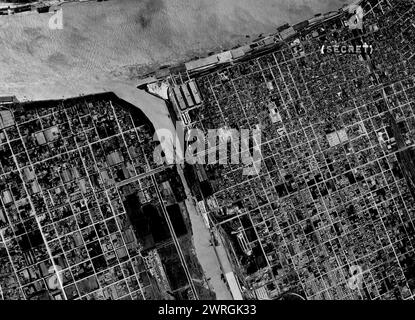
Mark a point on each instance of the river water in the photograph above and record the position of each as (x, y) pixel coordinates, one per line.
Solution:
(103, 45)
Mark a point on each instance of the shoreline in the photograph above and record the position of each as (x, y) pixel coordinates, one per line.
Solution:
(101, 79)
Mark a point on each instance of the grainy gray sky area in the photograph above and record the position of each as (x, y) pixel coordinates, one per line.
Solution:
(100, 39)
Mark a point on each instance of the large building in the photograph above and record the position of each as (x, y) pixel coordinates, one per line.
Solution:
(335, 190)
(76, 177)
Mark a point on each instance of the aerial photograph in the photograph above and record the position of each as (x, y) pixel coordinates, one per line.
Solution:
(213, 150)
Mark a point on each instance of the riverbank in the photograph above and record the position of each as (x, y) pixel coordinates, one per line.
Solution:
(205, 252)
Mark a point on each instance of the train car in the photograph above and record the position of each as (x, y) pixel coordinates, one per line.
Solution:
(24, 8)
(43, 9)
